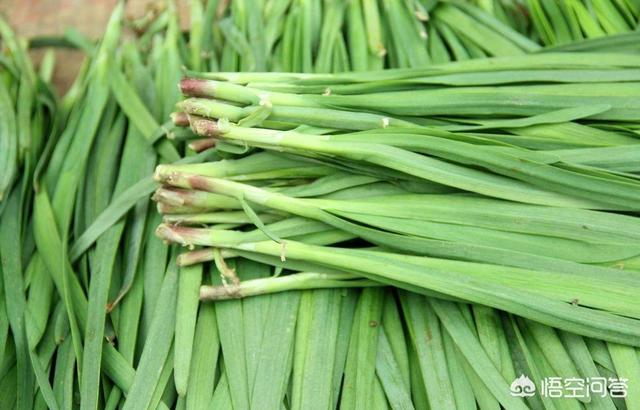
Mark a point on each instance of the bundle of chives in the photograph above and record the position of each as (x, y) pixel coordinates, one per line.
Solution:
(29, 114)
(470, 164)
(343, 341)
(504, 211)
(396, 231)
(334, 36)
(565, 22)
(58, 346)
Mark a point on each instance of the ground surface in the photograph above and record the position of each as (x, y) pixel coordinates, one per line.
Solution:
(32, 18)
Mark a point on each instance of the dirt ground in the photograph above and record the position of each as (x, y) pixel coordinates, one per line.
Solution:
(33, 18)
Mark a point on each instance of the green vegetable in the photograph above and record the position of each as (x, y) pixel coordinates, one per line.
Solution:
(403, 204)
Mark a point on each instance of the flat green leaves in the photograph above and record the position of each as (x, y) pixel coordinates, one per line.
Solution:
(161, 333)
(273, 368)
(11, 255)
(426, 334)
(627, 366)
(408, 238)
(360, 370)
(389, 374)
(186, 313)
(8, 142)
(202, 369)
(315, 349)
(454, 322)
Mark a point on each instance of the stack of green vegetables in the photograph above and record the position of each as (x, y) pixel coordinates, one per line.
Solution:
(428, 180)
(413, 238)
